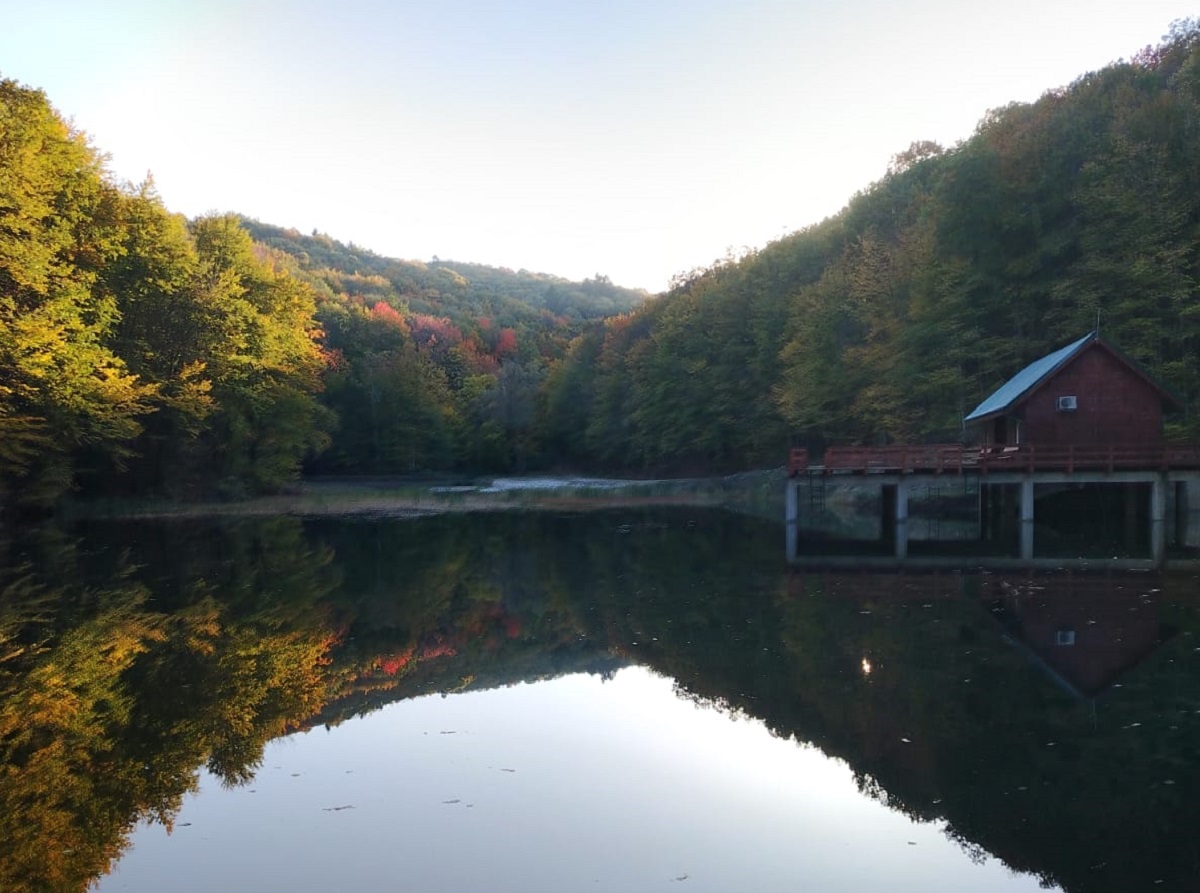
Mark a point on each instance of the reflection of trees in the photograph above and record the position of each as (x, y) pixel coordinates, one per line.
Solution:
(142, 652)
(62, 703)
(109, 702)
(134, 656)
(939, 717)
(451, 602)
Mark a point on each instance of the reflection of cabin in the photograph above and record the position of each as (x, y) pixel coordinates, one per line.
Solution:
(1085, 632)
(1079, 430)
(1085, 394)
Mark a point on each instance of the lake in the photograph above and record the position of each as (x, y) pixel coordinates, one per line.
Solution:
(624, 700)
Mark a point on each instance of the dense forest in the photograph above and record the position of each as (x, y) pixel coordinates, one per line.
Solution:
(892, 319)
(141, 353)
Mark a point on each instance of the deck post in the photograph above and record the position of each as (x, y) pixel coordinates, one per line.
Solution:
(1158, 513)
(1027, 516)
(902, 517)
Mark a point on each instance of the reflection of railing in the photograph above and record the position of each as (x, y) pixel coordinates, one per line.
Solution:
(940, 458)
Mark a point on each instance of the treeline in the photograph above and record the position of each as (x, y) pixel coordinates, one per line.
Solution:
(139, 352)
(891, 320)
(142, 353)
(436, 366)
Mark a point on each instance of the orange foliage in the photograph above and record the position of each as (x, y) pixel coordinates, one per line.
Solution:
(393, 664)
(386, 313)
(507, 343)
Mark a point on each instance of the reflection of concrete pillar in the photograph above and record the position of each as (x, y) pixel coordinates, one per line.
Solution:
(887, 513)
(1130, 494)
(1027, 517)
(902, 518)
(1181, 513)
(1158, 513)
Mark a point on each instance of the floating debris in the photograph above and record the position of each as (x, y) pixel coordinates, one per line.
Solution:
(450, 802)
(336, 808)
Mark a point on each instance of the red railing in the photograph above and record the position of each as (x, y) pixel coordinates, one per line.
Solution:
(941, 458)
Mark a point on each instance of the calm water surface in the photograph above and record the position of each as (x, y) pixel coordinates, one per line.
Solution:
(614, 701)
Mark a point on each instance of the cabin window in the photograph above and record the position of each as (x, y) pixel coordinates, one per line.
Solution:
(1068, 403)
(1064, 636)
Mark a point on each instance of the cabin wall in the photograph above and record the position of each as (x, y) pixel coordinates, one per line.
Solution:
(1115, 405)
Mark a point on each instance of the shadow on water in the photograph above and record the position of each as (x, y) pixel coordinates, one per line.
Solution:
(1052, 720)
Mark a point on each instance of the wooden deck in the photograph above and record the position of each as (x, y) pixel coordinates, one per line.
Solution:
(956, 459)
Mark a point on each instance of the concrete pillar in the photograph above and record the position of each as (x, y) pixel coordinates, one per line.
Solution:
(1027, 517)
(792, 517)
(1158, 520)
(902, 518)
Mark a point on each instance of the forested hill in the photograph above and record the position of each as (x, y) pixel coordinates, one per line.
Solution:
(144, 353)
(460, 291)
(892, 319)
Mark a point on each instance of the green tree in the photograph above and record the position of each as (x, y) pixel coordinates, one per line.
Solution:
(62, 389)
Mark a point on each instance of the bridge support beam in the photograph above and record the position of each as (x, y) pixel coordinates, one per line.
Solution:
(902, 518)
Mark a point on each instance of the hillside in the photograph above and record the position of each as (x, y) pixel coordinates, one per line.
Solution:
(890, 320)
(141, 353)
(460, 291)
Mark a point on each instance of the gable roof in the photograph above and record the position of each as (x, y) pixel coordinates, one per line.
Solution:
(1020, 385)
(1027, 379)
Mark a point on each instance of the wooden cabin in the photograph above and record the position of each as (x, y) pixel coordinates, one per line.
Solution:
(1084, 416)
(1085, 394)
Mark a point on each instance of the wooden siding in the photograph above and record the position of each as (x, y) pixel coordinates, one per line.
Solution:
(1115, 405)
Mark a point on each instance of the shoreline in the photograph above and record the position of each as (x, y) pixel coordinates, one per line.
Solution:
(380, 500)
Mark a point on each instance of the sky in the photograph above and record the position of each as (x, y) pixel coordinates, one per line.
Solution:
(636, 139)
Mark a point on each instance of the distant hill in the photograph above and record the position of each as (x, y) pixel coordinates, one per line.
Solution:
(445, 288)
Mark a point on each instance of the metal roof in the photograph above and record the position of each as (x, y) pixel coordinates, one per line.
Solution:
(1028, 378)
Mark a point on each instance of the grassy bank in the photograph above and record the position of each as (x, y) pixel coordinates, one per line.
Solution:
(758, 493)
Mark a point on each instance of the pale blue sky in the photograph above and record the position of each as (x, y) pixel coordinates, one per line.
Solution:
(634, 139)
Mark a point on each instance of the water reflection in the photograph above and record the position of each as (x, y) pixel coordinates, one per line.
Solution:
(1053, 721)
